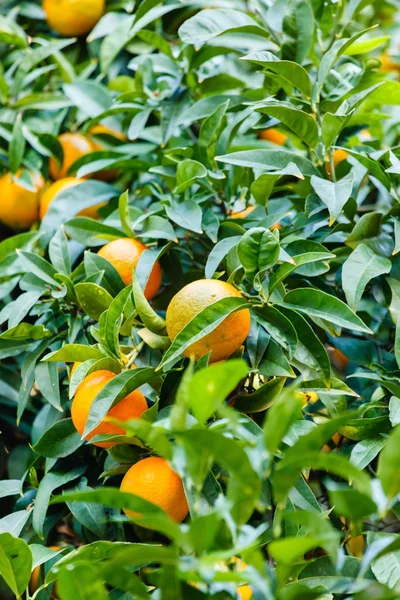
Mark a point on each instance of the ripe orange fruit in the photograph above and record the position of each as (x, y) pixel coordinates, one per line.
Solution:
(35, 577)
(124, 254)
(73, 17)
(339, 360)
(19, 207)
(356, 545)
(388, 64)
(105, 175)
(100, 129)
(59, 186)
(274, 136)
(154, 480)
(339, 156)
(191, 300)
(242, 214)
(74, 145)
(130, 407)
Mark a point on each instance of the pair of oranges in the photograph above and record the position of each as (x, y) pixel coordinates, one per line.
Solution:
(22, 207)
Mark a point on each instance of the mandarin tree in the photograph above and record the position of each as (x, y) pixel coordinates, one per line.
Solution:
(199, 287)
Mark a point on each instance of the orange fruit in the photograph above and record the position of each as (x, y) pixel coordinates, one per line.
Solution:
(245, 592)
(154, 480)
(339, 360)
(242, 214)
(356, 545)
(100, 129)
(35, 577)
(59, 186)
(192, 299)
(388, 64)
(19, 207)
(74, 145)
(339, 156)
(274, 136)
(130, 407)
(73, 17)
(124, 254)
(105, 175)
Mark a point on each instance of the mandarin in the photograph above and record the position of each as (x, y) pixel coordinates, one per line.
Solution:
(130, 407)
(124, 255)
(74, 145)
(154, 480)
(60, 186)
(274, 136)
(73, 17)
(19, 207)
(192, 299)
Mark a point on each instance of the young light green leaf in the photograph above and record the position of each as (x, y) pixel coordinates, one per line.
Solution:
(291, 71)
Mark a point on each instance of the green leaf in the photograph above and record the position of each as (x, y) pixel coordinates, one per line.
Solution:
(50, 482)
(146, 513)
(187, 172)
(258, 250)
(149, 317)
(59, 252)
(210, 23)
(209, 387)
(350, 503)
(11, 33)
(17, 144)
(333, 194)
(81, 581)
(60, 440)
(201, 325)
(365, 451)
(298, 30)
(361, 266)
(262, 398)
(218, 253)
(111, 320)
(15, 563)
(38, 266)
(74, 353)
(47, 379)
(186, 214)
(367, 45)
(388, 472)
(330, 58)
(283, 413)
(299, 260)
(123, 209)
(93, 299)
(262, 187)
(310, 350)
(291, 71)
(269, 160)
(278, 326)
(301, 123)
(319, 304)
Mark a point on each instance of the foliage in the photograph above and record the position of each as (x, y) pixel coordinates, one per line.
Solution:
(289, 450)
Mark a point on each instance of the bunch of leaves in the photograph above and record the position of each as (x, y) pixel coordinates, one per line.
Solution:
(306, 493)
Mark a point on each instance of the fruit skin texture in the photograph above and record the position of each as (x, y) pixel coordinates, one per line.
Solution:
(73, 17)
(153, 479)
(274, 136)
(19, 207)
(59, 186)
(124, 254)
(191, 300)
(74, 146)
(130, 407)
